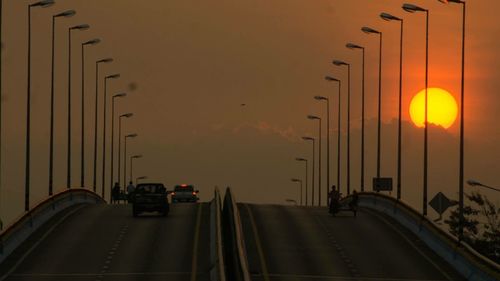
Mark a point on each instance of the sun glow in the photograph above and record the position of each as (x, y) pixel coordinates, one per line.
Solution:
(442, 108)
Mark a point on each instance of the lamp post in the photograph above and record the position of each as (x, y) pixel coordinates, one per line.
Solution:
(140, 178)
(299, 180)
(132, 164)
(340, 63)
(411, 9)
(362, 172)
(307, 178)
(106, 60)
(82, 141)
(80, 27)
(322, 98)
(462, 113)
(313, 140)
(114, 76)
(125, 155)
(476, 183)
(43, 4)
(126, 115)
(65, 14)
(120, 95)
(332, 79)
(369, 30)
(389, 17)
(313, 117)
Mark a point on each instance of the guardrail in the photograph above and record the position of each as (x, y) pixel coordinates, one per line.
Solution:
(234, 245)
(217, 271)
(17, 232)
(459, 255)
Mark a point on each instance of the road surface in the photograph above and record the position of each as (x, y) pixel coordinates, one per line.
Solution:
(308, 244)
(105, 242)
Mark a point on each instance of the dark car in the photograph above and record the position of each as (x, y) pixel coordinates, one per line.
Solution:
(184, 193)
(150, 197)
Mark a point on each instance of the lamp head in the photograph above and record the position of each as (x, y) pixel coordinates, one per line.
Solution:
(413, 8)
(320, 98)
(43, 3)
(106, 60)
(141, 178)
(81, 27)
(131, 136)
(353, 46)
(367, 29)
(114, 76)
(339, 63)
(300, 159)
(295, 180)
(137, 156)
(308, 138)
(92, 42)
(389, 17)
(119, 95)
(127, 115)
(329, 78)
(472, 182)
(67, 14)
(312, 117)
(452, 1)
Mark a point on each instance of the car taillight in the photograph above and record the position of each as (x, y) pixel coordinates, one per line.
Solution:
(194, 193)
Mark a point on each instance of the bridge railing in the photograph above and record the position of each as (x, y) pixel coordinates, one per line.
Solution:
(234, 245)
(217, 271)
(461, 256)
(17, 232)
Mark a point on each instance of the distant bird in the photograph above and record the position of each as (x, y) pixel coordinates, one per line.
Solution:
(243, 104)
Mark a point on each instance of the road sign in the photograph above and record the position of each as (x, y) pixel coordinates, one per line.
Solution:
(440, 203)
(382, 184)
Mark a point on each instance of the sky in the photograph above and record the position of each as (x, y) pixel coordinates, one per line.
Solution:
(187, 66)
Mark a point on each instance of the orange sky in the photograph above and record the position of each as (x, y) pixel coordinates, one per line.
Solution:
(195, 62)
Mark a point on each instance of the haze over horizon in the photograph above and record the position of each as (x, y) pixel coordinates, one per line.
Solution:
(188, 66)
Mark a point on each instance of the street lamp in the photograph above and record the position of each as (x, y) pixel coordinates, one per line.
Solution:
(114, 76)
(82, 165)
(389, 17)
(341, 63)
(65, 14)
(411, 9)
(80, 27)
(43, 4)
(322, 98)
(125, 156)
(307, 176)
(106, 60)
(462, 113)
(126, 115)
(369, 30)
(332, 79)
(313, 117)
(132, 163)
(140, 178)
(298, 180)
(362, 172)
(476, 183)
(313, 140)
(120, 95)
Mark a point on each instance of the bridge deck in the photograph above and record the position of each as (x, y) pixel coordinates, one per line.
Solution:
(307, 244)
(106, 243)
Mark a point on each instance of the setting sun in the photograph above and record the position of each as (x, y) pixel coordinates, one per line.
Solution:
(442, 108)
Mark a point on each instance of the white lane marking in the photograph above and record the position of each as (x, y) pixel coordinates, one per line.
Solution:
(99, 275)
(412, 244)
(194, 262)
(333, 278)
(38, 243)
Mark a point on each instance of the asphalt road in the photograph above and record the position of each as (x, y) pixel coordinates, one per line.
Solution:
(106, 243)
(308, 244)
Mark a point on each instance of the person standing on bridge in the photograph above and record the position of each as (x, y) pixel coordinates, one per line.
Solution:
(115, 193)
(130, 191)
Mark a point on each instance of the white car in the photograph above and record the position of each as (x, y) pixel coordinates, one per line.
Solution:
(184, 193)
